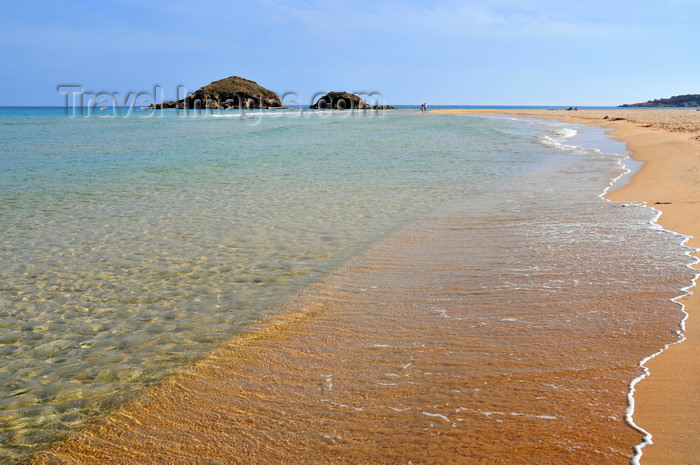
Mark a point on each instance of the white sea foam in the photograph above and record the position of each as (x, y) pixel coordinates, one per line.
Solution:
(629, 414)
(653, 223)
(329, 381)
(437, 415)
(557, 142)
(399, 409)
(566, 133)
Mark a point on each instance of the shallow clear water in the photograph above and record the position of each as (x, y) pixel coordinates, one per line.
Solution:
(133, 246)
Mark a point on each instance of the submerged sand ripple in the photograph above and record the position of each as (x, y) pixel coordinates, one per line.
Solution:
(417, 352)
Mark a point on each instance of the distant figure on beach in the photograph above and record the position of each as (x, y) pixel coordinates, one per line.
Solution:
(424, 107)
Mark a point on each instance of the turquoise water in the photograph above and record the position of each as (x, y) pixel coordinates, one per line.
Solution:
(131, 246)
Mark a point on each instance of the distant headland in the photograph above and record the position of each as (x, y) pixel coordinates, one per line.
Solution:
(235, 92)
(687, 100)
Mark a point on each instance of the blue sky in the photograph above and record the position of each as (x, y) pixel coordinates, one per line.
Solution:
(488, 52)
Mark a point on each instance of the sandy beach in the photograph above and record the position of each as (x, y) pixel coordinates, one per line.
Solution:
(668, 142)
(500, 328)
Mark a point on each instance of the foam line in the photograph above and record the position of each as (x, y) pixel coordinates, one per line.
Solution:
(646, 439)
(629, 413)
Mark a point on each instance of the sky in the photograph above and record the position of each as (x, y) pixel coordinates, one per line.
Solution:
(444, 52)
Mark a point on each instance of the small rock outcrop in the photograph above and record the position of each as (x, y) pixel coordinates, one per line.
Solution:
(344, 101)
(228, 93)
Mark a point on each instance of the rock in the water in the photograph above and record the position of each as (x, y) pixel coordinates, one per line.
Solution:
(344, 101)
(228, 93)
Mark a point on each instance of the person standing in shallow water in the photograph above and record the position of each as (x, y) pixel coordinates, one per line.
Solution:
(423, 107)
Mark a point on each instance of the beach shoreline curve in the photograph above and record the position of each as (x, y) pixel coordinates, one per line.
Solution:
(667, 141)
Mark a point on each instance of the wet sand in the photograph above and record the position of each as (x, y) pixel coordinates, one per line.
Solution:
(668, 141)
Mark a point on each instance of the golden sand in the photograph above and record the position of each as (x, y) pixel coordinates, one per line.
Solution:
(668, 141)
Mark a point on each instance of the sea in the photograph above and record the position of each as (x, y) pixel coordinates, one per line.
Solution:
(323, 287)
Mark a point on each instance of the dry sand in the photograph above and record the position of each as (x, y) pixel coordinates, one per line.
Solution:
(668, 141)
